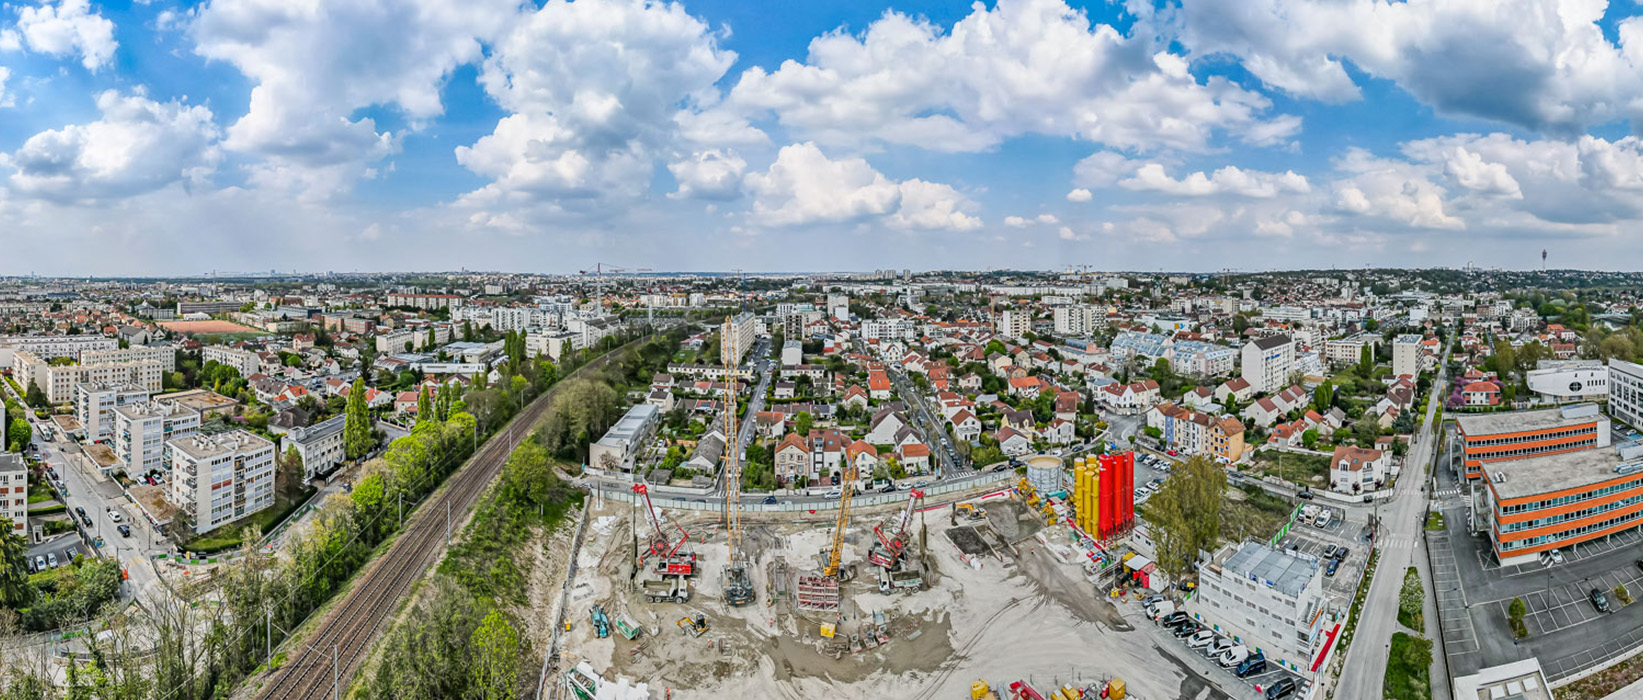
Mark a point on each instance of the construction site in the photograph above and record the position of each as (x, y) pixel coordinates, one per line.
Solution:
(1003, 594)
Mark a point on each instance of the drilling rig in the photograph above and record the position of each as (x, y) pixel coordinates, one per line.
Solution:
(738, 583)
(893, 536)
(665, 550)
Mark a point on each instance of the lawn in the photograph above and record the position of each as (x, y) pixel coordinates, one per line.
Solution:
(232, 535)
(1298, 467)
(1409, 668)
(1434, 521)
(1252, 513)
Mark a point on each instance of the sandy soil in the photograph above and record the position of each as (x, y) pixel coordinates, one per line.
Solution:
(997, 619)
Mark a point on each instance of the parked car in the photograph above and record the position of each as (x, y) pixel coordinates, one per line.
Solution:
(1334, 564)
(1304, 495)
(1252, 665)
(1280, 689)
(1187, 630)
(1329, 552)
(86, 519)
(1232, 657)
(920, 484)
(1200, 639)
(1557, 556)
(1599, 600)
(770, 500)
(888, 488)
(1324, 518)
(51, 559)
(1174, 618)
(1219, 646)
(39, 564)
(125, 530)
(80, 511)
(835, 493)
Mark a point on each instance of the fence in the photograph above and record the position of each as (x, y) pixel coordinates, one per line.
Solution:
(548, 657)
(860, 500)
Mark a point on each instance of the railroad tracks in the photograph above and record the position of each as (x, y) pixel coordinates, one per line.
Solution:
(338, 646)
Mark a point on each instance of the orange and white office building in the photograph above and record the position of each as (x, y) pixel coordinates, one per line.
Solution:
(1550, 479)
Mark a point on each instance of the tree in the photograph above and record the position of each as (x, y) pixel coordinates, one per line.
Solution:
(1366, 430)
(1309, 438)
(35, 397)
(15, 591)
(495, 657)
(1323, 397)
(1410, 599)
(424, 406)
(1186, 514)
(1366, 360)
(288, 473)
(357, 437)
(802, 423)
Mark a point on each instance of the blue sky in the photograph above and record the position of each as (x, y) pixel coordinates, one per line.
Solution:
(175, 138)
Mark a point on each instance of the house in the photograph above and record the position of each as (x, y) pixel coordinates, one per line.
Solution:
(864, 455)
(661, 398)
(854, 396)
(405, 401)
(882, 428)
(817, 456)
(878, 385)
(965, 425)
(1237, 389)
(783, 390)
(998, 363)
(1130, 398)
(1059, 432)
(1481, 394)
(1264, 412)
(1019, 419)
(1290, 399)
(1066, 404)
(1226, 439)
(914, 457)
(1198, 397)
(1025, 386)
(1013, 443)
(1290, 435)
(1356, 470)
(970, 382)
(770, 424)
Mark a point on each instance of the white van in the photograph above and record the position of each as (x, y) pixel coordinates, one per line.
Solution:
(1324, 518)
(1233, 656)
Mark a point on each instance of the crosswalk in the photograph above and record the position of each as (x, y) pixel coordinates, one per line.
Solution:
(1450, 492)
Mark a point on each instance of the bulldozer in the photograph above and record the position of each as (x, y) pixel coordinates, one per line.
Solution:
(696, 626)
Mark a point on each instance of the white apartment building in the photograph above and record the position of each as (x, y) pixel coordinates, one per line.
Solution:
(218, 479)
(1269, 601)
(621, 444)
(243, 361)
(320, 446)
(838, 306)
(737, 334)
(1341, 352)
(94, 406)
(165, 355)
(587, 331)
(518, 318)
(1078, 319)
(142, 432)
(58, 381)
(1267, 362)
(1406, 355)
(889, 329)
(14, 490)
(1287, 314)
(48, 347)
(1014, 323)
(1626, 392)
(395, 340)
(551, 342)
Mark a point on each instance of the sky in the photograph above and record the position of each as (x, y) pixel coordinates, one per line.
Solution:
(156, 137)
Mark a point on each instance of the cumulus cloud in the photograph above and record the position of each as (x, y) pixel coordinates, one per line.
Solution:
(1451, 54)
(1067, 234)
(1391, 189)
(597, 91)
(1227, 180)
(1079, 195)
(1023, 222)
(1102, 169)
(138, 145)
(5, 99)
(1021, 67)
(804, 186)
(313, 66)
(710, 174)
(67, 28)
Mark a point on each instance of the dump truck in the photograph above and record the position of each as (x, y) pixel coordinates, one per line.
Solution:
(668, 589)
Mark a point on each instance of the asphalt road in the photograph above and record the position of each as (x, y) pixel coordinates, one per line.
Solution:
(948, 461)
(1402, 521)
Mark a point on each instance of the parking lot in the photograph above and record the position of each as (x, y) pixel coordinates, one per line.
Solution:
(1251, 686)
(1563, 606)
(1340, 532)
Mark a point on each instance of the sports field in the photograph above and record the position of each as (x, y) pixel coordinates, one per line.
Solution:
(203, 327)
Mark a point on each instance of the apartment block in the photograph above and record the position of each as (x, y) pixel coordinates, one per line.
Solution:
(243, 361)
(320, 446)
(219, 479)
(50, 347)
(94, 406)
(14, 492)
(1267, 362)
(164, 355)
(58, 381)
(425, 301)
(737, 336)
(142, 432)
(1014, 323)
(1406, 355)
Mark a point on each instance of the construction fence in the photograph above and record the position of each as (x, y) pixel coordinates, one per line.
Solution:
(752, 503)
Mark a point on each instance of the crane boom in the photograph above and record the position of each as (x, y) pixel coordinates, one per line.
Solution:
(849, 485)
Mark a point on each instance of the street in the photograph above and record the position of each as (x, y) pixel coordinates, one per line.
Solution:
(949, 464)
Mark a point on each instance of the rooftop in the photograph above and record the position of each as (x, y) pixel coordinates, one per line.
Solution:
(1524, 421)
(1532, 476)
(317, 431)
(206, 447)
(1287, 573)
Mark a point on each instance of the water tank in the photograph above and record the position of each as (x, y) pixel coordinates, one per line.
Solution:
(1044, 473)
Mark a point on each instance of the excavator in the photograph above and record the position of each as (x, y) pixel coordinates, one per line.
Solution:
(694, 625)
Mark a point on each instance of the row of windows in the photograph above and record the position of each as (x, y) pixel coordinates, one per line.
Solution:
(1567, 432)
(1536, 450)
(1576, 515)
(1569, 534)
(1573, 498)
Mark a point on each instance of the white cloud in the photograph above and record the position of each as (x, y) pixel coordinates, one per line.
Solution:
(1451, 54)
(1227, 180)
(138, 145)
(5, 99)
(1023, 222)
(804, 186)
(1470, 170)
(1394, 190)
(1022, 67)
(68, 28)
(1079, 195)
(1102, 169)
(598, 91)
(315, 65)
(1067, 234)
(710, 174)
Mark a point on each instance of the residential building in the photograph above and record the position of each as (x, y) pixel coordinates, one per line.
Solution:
(1341, 352)
(1267, 362)
(816, 456)
(620, 446)
(1195, 358)
(551, 342)
(1014, 323)
(165, 355)
(1561, 381)
(1626, 392)
(185, 308)
(1131, 343)
(50, 347)
(94, 406)
(1074, 320)
(243, 361)
(58, 381)
(1270, 601)
(219, 479)
(143, 430)
(1481, 394)
(1357, 470)
(737, 334)
(425, 301)
(320, 446)
(1406, 355)
(792, 353)
(14, 490)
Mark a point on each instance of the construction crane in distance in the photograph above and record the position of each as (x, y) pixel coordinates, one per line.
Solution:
(738, 585)
(599, 271)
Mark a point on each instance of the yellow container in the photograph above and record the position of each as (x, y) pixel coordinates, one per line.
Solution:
(1115, 689)
(827, 630)
(979, 690)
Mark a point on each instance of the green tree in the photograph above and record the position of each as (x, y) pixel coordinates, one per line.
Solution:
(288, 473)
(1366, 360)
(803, 422)
(357, 436)
(1186, 514)
(495, 657)
(35, 397)
(1410, 599)
(15, 591)
(1309, 438)
(424, 406)
(1323, 397)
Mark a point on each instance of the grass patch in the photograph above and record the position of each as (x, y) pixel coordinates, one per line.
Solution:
(52, 509)
(1409, 668)
(1298, 467)
(1605, 682)
(1434, 521)
(1411, 598)
(1256, 515)
(233, 535)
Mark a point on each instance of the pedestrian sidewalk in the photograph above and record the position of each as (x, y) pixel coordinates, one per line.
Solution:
(1440, 661)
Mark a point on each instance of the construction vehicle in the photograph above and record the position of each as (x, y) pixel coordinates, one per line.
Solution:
(601, 624)
(665, 548)
(970, 510)
(695, 626)
(668, 589)
(979, 690)
(1067, 692)
(887, 552)
(738, 581)
(682, 564)
(1020, 690)
(835, 553)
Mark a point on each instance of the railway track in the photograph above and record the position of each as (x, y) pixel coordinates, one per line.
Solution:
(338, 646)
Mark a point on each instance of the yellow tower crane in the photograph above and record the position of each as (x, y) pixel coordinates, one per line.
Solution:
(738, 584)
(845, 491)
